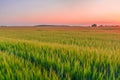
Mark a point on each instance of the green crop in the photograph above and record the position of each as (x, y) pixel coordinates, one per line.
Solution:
(40, 54)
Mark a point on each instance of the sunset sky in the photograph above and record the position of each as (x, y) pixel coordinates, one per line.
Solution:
(72, 12)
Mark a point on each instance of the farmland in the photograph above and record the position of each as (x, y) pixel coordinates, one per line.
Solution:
(59, 53)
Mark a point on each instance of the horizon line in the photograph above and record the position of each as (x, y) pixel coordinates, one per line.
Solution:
(69, 25)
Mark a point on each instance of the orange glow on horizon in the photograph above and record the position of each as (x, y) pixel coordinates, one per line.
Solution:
(69, 19)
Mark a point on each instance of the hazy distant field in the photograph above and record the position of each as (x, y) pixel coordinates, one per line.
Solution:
(61, 53)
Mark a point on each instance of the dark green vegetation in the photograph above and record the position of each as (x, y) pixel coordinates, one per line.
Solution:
(60, 53)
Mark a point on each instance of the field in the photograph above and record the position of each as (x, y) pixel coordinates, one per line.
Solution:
(59, 53)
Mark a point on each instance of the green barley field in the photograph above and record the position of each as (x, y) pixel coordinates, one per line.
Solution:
(59, 53)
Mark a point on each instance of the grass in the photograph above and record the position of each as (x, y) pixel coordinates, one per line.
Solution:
(59, 53)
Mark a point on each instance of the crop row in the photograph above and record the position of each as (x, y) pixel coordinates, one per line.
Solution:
(62, 61)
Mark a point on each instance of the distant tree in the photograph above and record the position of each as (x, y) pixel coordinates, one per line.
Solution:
(3, 26)
(117, 25)
(94, 25)
(101, 25)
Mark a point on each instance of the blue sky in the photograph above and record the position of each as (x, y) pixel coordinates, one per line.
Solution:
(75, 12)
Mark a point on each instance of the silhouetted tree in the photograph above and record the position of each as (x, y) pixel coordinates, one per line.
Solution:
(94, 25)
